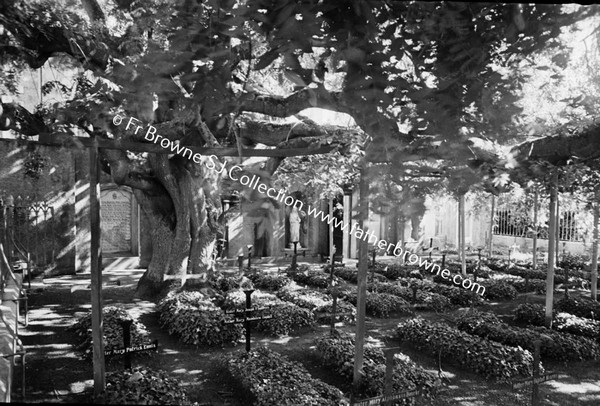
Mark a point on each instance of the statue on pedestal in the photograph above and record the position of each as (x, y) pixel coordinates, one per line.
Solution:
(295, 220)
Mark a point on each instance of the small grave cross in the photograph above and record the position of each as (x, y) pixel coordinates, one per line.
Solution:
(294, 265)
(243, 316)
(388, 396)
(127, 349)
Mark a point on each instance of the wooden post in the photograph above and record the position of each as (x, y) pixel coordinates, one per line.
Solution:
(461, 233)
(333, 309)
(388, 387)
(126, 325)
(363, 258)
(535, 226)
(295, 257)
(551, 246)
(247, 322)
(536, 372)
(96, 274)
(331, 226)
(443, 260)
(557, 242)
(492, 215)
(249, 257)
(594, 270)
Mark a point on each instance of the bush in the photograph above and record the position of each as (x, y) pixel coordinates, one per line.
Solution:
(485, 357)
(312, 278)
(322, 313)
(351, 275)
(338, 352)
(530, 314)
(498, 290)
(394, 271)
(286, 316)
(555, 346)
(579, 307)
(534, 285)
(458, 296)
(579, 326)
(273, 380)
(380, 304)
(227, 283)
(426, 300)
(113, 331)
(268, 281)
(308, 299)
(573, 262)
(196, 320)
(142, 386)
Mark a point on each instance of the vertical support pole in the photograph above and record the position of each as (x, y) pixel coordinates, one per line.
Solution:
(249, 256)
(492, 215)
(333, 309)
(241, 262)
(557, 242)
(246, 321)
(294, 265)
(96, 274)
(551, 246)
(594, 270)
(536, 373)
(535, 226)
(126, 325)
(331, 225)
(388, 383)
(443, 260)
(461, 232)
(401, 232)
(363, 258)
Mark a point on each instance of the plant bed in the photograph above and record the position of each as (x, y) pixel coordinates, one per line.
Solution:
(112, 317)
(143, 386)
(351, 275)
(487, 358)
(394, 271)
(554, 345)
(426, 300)
(337, 351)
(381, 305)
(579, 307)
(307, 277)
(498, 290)
(270, 379)
(196, 319)
(534, 314)
(268, 281)
(286, 316)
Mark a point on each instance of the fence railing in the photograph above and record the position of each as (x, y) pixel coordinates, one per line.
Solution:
(508, 223)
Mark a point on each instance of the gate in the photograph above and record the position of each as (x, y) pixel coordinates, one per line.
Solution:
(27, 229)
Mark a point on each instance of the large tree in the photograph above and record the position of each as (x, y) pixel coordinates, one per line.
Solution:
(417, 77)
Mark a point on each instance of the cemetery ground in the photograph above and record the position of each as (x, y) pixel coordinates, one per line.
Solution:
(57, 372)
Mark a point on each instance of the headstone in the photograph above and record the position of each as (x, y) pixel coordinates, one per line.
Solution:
(117, 207)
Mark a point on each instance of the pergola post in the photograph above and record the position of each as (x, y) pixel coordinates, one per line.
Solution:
(551, 247)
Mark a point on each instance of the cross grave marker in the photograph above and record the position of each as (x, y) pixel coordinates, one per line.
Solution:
(243, 316)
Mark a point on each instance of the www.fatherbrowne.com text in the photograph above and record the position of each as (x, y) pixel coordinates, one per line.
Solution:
(211, 162)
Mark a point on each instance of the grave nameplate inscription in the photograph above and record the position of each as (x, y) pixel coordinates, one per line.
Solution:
(116, 220)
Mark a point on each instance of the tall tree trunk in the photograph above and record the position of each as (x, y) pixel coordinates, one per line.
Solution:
(492, 215)
(551, 247)
(594, 270)
(535, 227)
(461, 233)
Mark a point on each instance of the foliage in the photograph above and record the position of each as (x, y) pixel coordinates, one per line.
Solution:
(338, 352)
(268, 281)
(273, 380)
(286, 316)
(457, 296)
(311, 278)
(488, 358)
(573, 262)
(533, 285)
(344, 312)
(143, 386)
(112, 317)
(394, 271)
(381, 305)
(530, 313)
(196, 320)
(426, 300)
(226, 283)
(501, 290)
(586, 308)
(579, 326)
(554, 346)
(308, 299)
(351, 275)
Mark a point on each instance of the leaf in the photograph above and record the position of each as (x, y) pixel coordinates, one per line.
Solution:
(267, 58)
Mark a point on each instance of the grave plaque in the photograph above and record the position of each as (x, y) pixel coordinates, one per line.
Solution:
(116, 209)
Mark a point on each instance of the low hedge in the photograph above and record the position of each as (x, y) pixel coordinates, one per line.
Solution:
(337, 351)
(196, 320)
(286, 316)
(533, 285)
(323, 313)
(534, 314)
(426, 300)
(270, 379)
(142, 386)
(486, 357)
(394, 271)
(498, 290)
(315, 279)
(319, 303)
(351, 275)
(112, 317)
(268, 281)
(554, 345)
(380, 305)
(579, 307)
(458, 296)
